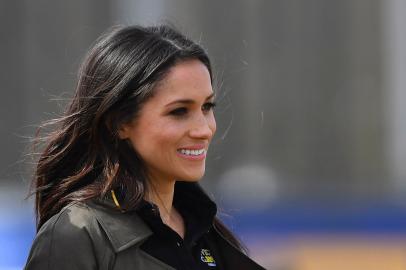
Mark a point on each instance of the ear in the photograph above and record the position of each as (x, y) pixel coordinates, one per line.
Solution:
(124, 131)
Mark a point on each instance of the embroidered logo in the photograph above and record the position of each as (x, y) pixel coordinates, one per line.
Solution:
(206, 257)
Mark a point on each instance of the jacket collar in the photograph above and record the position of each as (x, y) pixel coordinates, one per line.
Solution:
(122, 229)
(125, 229)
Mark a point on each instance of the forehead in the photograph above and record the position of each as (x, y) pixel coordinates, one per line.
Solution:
(187, 79)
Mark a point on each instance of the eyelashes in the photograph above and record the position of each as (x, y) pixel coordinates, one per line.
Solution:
(209, 106)
(179, 112)
(182, 111)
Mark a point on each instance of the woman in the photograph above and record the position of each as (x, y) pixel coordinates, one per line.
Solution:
(116, 183)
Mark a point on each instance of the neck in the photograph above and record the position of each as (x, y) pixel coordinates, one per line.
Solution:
(161, 194)
(160, 191)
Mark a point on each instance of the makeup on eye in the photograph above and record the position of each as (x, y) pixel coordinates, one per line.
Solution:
(190, 101)
(181, 111)
(209, 106)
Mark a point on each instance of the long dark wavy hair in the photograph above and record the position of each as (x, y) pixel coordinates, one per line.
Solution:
(83, 157)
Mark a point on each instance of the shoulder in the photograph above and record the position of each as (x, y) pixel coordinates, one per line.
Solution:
(95, 219)
(72, 231)
(76, 215)
(92, 232)
(76, 220)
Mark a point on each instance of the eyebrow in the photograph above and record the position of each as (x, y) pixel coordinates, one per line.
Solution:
(187, 101)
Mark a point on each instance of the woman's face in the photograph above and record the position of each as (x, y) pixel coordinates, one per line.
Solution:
(173, 130)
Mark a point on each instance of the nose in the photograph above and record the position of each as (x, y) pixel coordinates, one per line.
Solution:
(203, 127)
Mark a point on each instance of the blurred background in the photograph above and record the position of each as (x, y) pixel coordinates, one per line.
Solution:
(308, 165)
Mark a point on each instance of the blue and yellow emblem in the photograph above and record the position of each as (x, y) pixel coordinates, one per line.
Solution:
(207, 258)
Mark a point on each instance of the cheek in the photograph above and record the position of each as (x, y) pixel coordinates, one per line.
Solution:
(212, 124)
(160, 137)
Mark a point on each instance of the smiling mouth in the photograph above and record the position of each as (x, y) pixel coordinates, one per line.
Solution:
(192, 152)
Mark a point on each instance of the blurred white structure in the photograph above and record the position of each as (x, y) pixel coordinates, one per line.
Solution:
(250, 186)
(394, 40)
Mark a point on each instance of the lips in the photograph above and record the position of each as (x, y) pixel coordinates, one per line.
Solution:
(194, 147)
(193, 152)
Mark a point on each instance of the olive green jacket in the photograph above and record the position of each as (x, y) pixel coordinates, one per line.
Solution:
(92, 236)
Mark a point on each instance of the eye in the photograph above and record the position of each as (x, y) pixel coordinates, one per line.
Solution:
(179, 111)
(208, 106)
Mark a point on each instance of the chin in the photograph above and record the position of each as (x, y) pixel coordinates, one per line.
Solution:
(191, 177)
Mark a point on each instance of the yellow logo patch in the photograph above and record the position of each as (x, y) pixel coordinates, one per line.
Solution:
(207, 258)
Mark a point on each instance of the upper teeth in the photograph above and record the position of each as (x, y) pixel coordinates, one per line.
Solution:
(192, 152)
